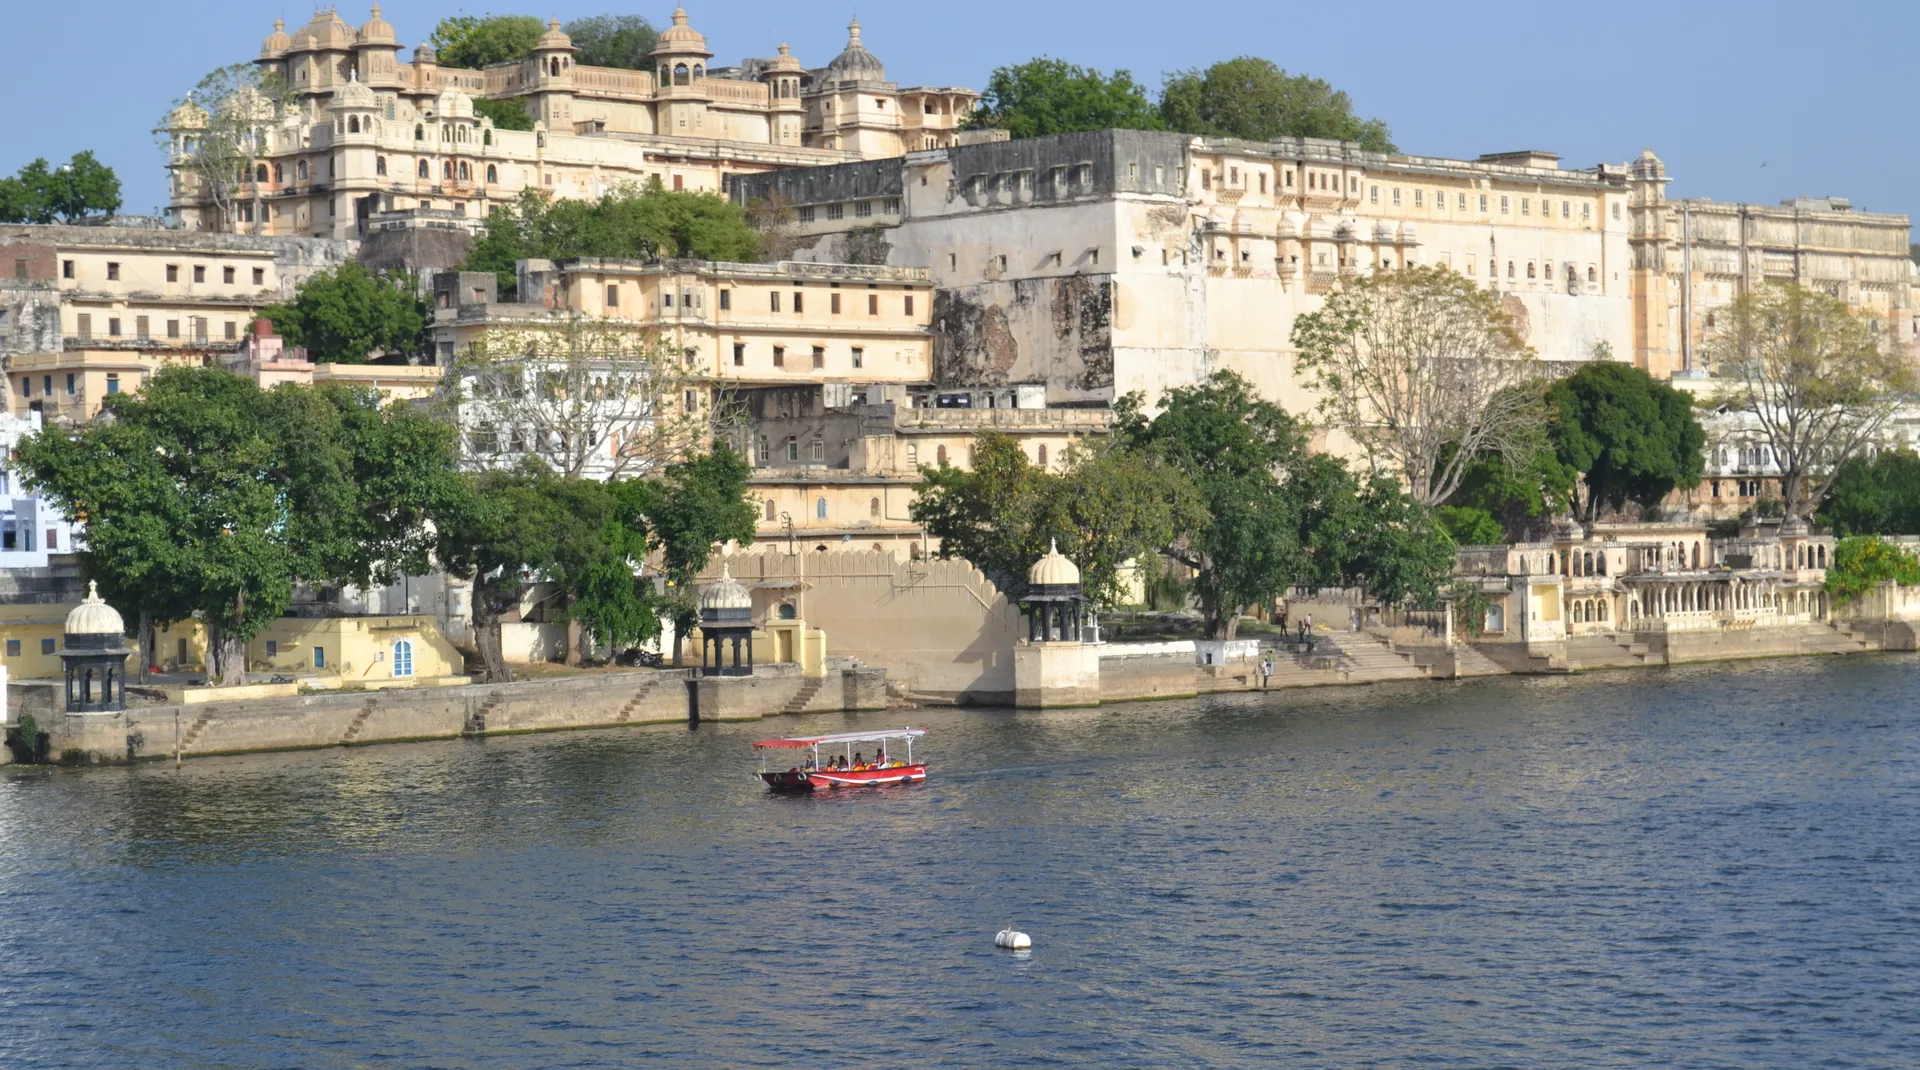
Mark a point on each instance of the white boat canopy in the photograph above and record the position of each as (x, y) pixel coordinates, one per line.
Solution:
(882, 736)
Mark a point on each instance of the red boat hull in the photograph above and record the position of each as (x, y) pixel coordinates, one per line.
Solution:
(831, 779)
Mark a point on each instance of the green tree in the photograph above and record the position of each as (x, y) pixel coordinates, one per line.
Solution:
(40, 193)
(472, 42)
(1106, 508)
(1880, 496)
(1050, 96)
(622, 41)
(1469, 525)
(1395, 547)
(633, 221)
(349, 315)
(507, 113)
(1251, 98)
(495, 531)
(1863, 562)
(204, 495)
(1631, 437)
(695, 505)
(1519, 499)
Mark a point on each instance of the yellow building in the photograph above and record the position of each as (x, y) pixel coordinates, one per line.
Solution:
(366, 133)
(93, 311)
(392, 651)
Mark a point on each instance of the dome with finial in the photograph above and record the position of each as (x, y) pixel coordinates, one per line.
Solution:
(93, 616)
(423, 53)
(784, 62)
(855, 63)
(555, 39)
(681, 39)
(725, 593)
(377, 31)
(277, 42)
(354, 95)
(1053, 570)
(327, 32)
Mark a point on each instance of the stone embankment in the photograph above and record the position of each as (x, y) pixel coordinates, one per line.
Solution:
(597, 700)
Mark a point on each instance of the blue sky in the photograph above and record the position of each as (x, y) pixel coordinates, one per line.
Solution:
(1744, 101)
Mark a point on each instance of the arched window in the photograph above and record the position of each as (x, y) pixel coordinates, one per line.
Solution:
(260, 173)
(446, 169)
(419, 132)
(873, 507)
(303, 170)
(680, 75)
(493, 174)
(940, 455)
(277, 173)
(402, 657)
(820, 509)
(1510, 269)
(464, 173)
(379, 165)
(1601, 608)
(787, 611)
(1592, 276)
(486, 137)
(1043, 455)
(699, 71)
(553, 67)
(1530, 269)
(771, 515)
(1823, 557)
(353, 124)
(1600, 562)
(424, 173)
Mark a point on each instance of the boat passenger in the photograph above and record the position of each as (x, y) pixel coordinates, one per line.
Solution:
(859, 760)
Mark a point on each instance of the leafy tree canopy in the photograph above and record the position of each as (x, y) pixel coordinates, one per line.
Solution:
(348, 315)
(472, 42)
(1051, 96)
(633, 221)
(1519, 500)
(41, 193)
(623, 41)
(1880, 496)
(1105, 508)
(1863, 562)
(507, 114)
(1251, 98)
(1632, 438)
(203, 494)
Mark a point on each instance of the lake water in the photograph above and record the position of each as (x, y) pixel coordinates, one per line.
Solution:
(1704, 867)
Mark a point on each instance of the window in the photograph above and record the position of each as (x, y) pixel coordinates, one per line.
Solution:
(113, 382)
(113, 270)
(1263, 182)
(860, 355)
(1469, 263)
(226, 275)
(739, 354)
(47, 646)
(402, 658)
(762, 454)
(46, 385)
(259, 276)
(273, 648)
(13, 648)
(909, 304)
(613, 296)
(84, 325)
(726, 300)
(819, 450)
(1396, 196)
(1043, 455)
(113, 326)
(1530, 269)
(1463, 202)
(1233, 176)
(819, 356)
(1510, 269)
(1591, 277)
(1206, 178)
(820, 508)
(806, 214)
(940, 456)
(1483, 202)
(1616, 211)
(379, 165)
(319, 657)
(230, 331)
(1526, 206)
(836, 211)
(173, 272)
(199, 272)
(1417, 195)
(833, 304)
(779, 356)
(173, 328)
(422, 170)
(66, 269)
(26, 386)
(798, 306)
(690, 401)
(913, 455)
(863, 209)
(774, 300)
(69, 384)
(1503, 206)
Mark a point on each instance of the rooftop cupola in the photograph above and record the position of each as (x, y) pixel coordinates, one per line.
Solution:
(855, 63)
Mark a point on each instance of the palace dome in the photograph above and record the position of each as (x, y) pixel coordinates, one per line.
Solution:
(354, 94)
(784, 62)
(327, 32)
(725, 592)
(277, 41)
(681, 39)
(377, 31)
(424, 53)
(1053, 570)
(554, 39)
(94, 616)
(855, 63)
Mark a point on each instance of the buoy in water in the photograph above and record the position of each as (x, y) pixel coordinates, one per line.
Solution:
(1011, 940)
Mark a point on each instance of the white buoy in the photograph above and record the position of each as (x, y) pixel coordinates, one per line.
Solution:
(1011, 940)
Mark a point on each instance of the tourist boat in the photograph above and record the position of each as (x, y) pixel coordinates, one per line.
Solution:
(829, 761)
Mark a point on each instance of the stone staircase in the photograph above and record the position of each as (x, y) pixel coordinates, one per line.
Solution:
(192, 734)
(1863, 639)
(1470, 662)
(1825, 639)
(477, 719)
(1604, 652)
(1371, 660)
(808, 689)
(645, 691)
(359, 721)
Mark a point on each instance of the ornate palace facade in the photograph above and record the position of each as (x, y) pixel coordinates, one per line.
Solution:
(367, 133)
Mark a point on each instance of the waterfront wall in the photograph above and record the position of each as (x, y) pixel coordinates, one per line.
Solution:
(345, 718)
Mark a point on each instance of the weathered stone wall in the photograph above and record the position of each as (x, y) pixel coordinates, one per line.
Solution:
(340, 718)
(1148, 676)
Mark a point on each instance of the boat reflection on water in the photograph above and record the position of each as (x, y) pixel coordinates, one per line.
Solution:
(840, 766)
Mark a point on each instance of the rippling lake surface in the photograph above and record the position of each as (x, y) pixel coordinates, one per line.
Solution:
(1704, 867)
